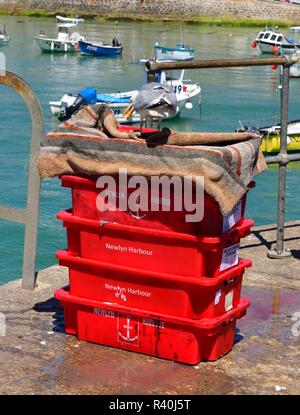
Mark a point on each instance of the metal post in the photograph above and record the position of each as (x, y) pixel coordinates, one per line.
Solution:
(29, 216)
(279, 251)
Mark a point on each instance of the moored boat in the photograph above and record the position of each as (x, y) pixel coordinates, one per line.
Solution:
(182, 52)
(295, 68)
(185, 92)
(4, 38)
(101, 49)
(271, 40)
(271, 137)
(64, 42)
(62, 19)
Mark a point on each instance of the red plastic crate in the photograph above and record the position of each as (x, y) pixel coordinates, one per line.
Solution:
(154, 250)
(84, 199)
(193, 298)
(160, 335)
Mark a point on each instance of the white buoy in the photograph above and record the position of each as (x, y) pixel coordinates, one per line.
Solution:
(188, 105)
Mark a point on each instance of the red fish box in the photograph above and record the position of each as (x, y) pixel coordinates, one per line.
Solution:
(192, 298)
(160, 335)
(86, 196)
(152, 249)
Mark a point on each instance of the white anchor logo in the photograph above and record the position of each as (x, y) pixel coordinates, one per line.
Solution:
(136, 214)
(127, 337)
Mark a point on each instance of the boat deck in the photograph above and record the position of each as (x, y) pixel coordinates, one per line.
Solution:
(38, 358)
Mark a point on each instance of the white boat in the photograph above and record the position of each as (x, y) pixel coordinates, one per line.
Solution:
(61, 19)
(4, 38)
(181, 52)
(64, 42)
(272, 41)
(185, 92)
(295, 69)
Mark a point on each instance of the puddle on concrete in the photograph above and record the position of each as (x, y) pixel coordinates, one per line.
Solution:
(261, 335)
(136, 374)
(272, 314)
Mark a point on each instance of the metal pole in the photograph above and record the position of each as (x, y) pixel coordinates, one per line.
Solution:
(279, 251)
(278, 159)
(153, 66)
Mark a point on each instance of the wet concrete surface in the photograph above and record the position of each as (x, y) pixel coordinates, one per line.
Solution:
(36, 357)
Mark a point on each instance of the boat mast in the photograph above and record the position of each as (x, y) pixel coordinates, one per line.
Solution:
(116, 29)
(181, 37)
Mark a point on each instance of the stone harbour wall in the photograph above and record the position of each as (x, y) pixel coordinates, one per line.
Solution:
(181, 9)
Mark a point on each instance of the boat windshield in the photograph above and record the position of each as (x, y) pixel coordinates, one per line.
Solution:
(63, 29)
(267, 35)
(261, 35)
(2, 29)
(183, 45)
(173, 74)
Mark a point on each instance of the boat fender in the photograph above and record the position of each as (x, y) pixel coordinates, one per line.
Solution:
(254, 44)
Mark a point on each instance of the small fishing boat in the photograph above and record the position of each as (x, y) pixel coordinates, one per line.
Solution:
(185, 92)
(101, 49)
(76, 20)
(182, 51)
(271, 40)
(271, 137)
(295, 69)
(64, 42)
(4, 38)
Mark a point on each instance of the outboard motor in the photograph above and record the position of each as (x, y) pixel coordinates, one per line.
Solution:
(88, 96)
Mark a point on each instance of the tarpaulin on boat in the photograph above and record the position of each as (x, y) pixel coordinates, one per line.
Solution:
(91, 144)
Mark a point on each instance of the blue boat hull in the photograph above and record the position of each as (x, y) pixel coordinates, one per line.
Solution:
(98, 50)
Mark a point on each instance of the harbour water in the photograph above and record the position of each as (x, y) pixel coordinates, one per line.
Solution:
(249, 95)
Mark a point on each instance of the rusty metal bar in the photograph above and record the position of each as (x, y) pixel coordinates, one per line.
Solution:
(154, 66)
(282, 158)
(30, 215)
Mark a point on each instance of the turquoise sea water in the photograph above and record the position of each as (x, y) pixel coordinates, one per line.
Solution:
(249, 95)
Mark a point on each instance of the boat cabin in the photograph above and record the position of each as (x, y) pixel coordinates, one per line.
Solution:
(270, 36)
(63, 32)
(2, 29)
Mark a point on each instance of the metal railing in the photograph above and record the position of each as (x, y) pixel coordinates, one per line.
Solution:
(30, 215)
(282, 158)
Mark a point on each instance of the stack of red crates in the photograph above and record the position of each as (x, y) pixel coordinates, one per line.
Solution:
(151, 282)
